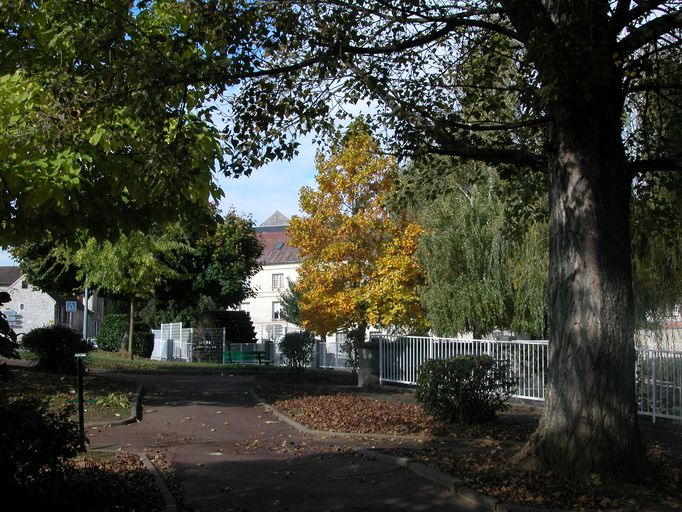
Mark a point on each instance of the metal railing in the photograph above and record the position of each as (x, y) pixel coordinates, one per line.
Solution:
(659, 383)
(658, 372)
(401, 356)
(331, 355)
(172, 342)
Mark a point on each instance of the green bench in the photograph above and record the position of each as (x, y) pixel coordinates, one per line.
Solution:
(248, 357)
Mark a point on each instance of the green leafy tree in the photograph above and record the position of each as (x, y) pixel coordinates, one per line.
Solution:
(90, 138)
(290, 300)
(212, 271)
(178, 272)
(482, 273)
(132, 267)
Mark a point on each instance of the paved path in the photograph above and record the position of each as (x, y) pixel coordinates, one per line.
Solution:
(233, 455)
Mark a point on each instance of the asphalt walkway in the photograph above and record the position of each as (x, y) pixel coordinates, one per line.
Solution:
(232, 454)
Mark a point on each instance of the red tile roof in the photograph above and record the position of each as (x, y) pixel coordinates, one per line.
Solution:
(276, 247)
(9, 275)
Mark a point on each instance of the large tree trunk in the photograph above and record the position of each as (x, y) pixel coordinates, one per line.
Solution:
(589, 423)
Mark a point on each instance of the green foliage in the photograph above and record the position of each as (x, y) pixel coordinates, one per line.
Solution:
(657, 247)
(212, 272)
(297, 349)
(133, 266)
(91, 138)
(483, 273)
(290, 301)
(33, 440)
(143, 340)
(48, 266)
(464, 389)
(55, 347)
(112, 333)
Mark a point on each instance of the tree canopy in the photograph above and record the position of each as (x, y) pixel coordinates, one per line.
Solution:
(185, 271)
(89, 136)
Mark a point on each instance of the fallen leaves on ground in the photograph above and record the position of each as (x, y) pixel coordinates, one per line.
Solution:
(481, 454)
(352, 413)
(89, 482)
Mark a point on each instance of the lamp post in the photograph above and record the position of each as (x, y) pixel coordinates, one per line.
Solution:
(81, 418)
(85, 314)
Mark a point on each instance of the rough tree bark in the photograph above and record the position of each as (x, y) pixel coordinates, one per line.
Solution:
(589, 424)
(590, 420)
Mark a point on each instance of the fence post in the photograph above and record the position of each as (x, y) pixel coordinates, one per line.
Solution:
(653, 386)
(381, 360)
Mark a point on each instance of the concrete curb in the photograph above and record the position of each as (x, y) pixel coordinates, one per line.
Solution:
(136, 415)
(455, 485)
(135, 412)
(171, 504)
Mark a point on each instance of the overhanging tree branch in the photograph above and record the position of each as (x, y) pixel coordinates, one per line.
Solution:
(664, 164)
(491, 155)
(649, 32)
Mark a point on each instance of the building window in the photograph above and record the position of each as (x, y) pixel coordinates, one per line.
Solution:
(276, 311)
(277, 281)
(24, 284)
(21, 306)
(279, 246)
(245, 306)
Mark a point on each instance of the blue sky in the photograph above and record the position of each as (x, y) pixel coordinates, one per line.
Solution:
(271, 188)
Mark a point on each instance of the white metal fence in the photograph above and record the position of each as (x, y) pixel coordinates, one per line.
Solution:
(172, 342)
(330, 354)
(401, 356)
(658, 376)
(659, 383)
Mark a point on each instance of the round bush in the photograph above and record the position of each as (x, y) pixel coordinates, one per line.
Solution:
(464, 389)
(55, 347)
(297, 349)
(113, 332)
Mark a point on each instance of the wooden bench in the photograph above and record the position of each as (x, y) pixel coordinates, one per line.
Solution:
(248, 357)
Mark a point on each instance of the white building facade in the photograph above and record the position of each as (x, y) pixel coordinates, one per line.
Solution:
(31, 308)
(280, 262)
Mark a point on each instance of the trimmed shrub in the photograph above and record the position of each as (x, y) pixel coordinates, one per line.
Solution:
(297, 349)
(113, 332)
(33, 439)
(143, 343)
(466, 389)
(55, 347)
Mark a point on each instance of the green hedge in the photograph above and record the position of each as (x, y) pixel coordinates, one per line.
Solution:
(113, 332)
(464, 389)
(143, 343)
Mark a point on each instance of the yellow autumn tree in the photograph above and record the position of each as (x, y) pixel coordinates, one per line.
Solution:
(358, 259)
